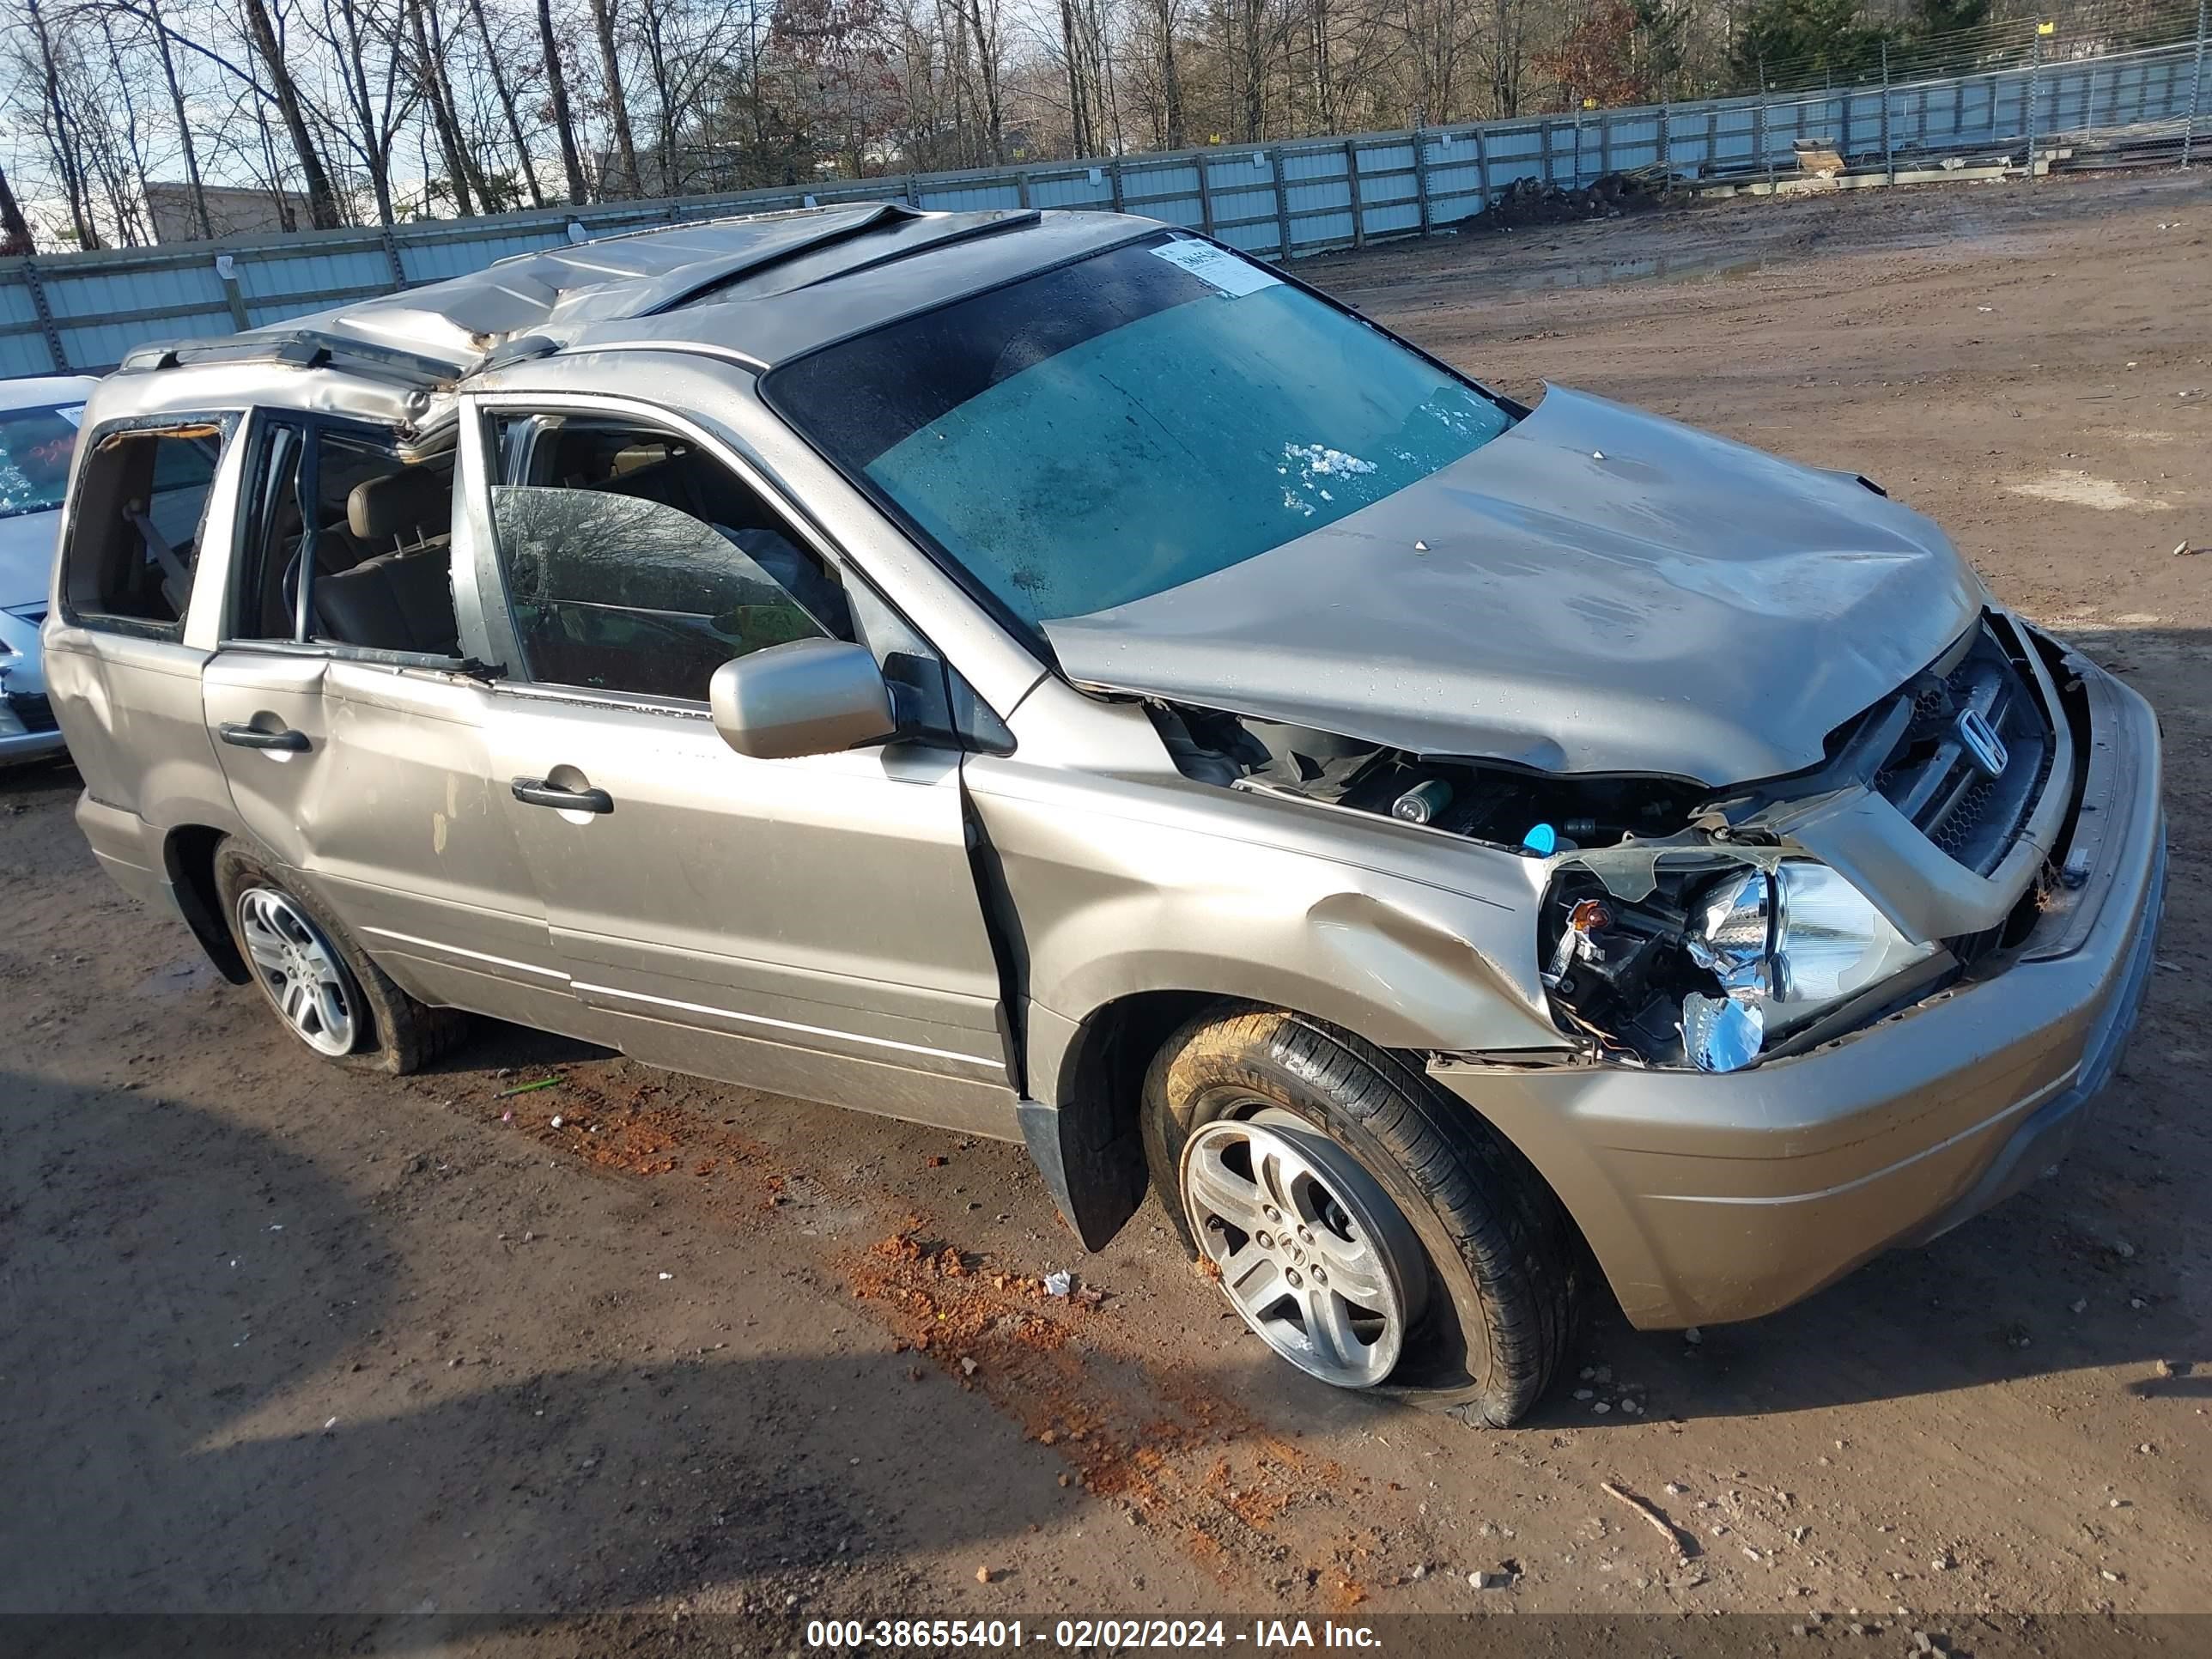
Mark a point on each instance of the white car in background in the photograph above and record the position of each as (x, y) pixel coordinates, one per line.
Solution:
(39, 423)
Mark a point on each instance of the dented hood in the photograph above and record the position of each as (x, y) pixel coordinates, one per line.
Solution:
(1595, 590)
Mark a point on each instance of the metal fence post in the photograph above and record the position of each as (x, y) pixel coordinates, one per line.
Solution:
(1352, 190)
(392, 255)
(46, 316)
(1114, 176)
(226, 272)
(1888, 152)
(1204, 192)
(1765, 150)
(1481, 170)
(1666, 147)
(2034, 86)
(1282, 204)
(2195, 85)
(1421, 176)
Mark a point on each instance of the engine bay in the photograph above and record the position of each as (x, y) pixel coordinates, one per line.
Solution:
(1677, 930)
(1505, 806)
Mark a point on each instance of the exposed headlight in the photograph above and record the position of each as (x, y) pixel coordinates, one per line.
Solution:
(1785, 947)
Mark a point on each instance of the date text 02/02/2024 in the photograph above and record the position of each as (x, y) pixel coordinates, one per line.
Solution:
(938, 1634)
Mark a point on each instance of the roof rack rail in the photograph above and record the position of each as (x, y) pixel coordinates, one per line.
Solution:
(295, 348)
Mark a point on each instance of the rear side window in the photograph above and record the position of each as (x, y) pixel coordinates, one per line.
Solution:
(134, 542)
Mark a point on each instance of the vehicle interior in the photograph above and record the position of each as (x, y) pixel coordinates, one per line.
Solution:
(384, 532)
(624, 601)
(135, 564)
(637, 562)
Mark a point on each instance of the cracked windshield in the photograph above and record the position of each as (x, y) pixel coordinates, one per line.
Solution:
(1098, 433)
(35, 445)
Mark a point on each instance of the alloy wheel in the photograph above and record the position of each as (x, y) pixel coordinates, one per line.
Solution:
(300, 970)
(1311, 1251)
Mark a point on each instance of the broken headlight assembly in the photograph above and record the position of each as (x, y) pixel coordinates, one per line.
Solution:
(1712, 968)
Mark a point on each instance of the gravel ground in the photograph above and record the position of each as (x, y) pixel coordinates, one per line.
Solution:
(273, 1337)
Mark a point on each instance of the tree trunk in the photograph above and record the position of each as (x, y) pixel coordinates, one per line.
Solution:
(69, 159)
(556, 88)
(1254, 68)
(132, 218)
(603, 21)
(322, 200)
(14, 231)
(1171, 126)
(505, 95)
(1068, 51)
(430, 76)
(987, 69)
(190, 151)
(673, 180)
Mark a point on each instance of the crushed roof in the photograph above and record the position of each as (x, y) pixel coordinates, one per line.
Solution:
(558, 292)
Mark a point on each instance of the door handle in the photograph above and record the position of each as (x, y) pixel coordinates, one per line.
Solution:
(536, 791)
(252, 737)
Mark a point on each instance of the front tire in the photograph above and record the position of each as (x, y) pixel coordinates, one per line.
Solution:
(322, 986)
(1454, 1269)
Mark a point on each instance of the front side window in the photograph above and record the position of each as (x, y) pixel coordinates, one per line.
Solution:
(142, 498)
(636, 562)
(35, 447)
(1097, 434)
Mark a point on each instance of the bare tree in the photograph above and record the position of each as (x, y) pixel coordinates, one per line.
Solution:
(556, 88)
(504, 94)
(284, 91)
(157, 32)
(59, 126)
(15, 241)
(428, 66)
(628, 181)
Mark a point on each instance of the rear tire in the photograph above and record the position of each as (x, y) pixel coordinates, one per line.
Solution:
(322, 986)
(1490, 1324)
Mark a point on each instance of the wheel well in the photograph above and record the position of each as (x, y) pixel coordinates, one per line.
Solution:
(1102, 1102)
(188, 857)
(1089, 1143)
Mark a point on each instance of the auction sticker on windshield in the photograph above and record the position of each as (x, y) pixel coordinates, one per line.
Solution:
(1211, 265)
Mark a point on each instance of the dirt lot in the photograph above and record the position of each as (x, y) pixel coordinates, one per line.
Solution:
(273, 1337)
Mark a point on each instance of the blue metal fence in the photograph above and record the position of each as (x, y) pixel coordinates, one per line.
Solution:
(81, 312)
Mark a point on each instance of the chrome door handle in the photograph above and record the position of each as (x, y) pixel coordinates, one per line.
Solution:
(536, 791)
(252, 737)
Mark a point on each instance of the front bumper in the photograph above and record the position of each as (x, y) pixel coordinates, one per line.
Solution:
(1713, 1198)
(26, 720)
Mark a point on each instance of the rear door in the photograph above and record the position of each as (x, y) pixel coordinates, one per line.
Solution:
(352, 733)
(125, 677)
(809, 927)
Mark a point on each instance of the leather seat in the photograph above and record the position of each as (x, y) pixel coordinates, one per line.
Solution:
(401, 600)
(413, 505)
(394, 602)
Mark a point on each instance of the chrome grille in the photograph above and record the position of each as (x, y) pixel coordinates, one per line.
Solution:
(1934, 777)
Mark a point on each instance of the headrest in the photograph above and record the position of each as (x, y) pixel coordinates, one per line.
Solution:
(416, 499)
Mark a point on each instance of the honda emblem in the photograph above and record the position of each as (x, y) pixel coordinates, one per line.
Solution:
(1982, 744)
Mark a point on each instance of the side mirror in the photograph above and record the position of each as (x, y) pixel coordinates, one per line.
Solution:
(808, 697)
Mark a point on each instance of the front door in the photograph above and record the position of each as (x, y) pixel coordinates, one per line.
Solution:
(809, 927)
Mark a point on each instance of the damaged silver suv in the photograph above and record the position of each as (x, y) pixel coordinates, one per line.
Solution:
(1047, 676)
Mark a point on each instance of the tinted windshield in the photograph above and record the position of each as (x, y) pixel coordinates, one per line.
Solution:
(1098, 433)
(35, 445)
